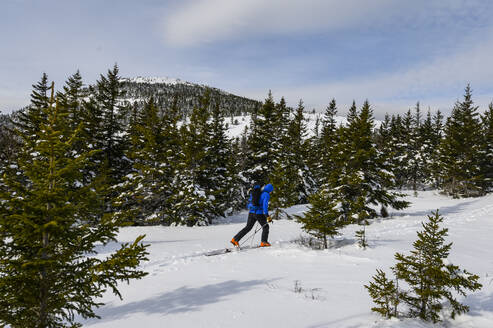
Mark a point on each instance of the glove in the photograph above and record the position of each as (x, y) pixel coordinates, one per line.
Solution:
(269, 219)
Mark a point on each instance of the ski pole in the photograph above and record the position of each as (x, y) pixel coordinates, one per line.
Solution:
(253, 235)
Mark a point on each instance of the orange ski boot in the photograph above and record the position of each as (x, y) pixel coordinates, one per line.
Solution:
(234, 242)
(264, 244)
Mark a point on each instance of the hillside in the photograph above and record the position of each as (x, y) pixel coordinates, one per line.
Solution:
(166, 90)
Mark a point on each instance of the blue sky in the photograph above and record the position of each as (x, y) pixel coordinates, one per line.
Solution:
(393, 53)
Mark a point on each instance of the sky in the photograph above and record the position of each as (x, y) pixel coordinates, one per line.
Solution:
(393, 53)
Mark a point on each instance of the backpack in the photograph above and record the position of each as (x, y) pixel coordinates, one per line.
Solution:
(256, 192)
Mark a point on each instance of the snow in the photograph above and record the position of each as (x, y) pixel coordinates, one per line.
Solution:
(154, 80)
(235, 131)
(256, 287)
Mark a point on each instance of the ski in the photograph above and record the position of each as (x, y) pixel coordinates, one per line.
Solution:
(229, 250)
(219, 251)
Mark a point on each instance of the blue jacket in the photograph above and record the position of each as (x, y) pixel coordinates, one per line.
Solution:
(264, 201)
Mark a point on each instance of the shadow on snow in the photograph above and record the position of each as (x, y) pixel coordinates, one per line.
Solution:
(183, 299)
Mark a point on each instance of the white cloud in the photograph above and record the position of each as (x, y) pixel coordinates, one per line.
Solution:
(203, 21)
(211, 20)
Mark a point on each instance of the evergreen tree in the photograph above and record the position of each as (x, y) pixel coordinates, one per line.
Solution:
(437, 136)
(9, 143)
(316, 128)
(146, 189)
(237, 184)
(382, 138)
(48, 271)
(385, 295)
(261, 152)
(415, 158)
(193, 199)
(323, 218)
(430, 279)
(428, 149)
(362, 172)
(328, 142)
(487, 149)
(30, 118)
(352, 113)
(384, 142)
(109, 118)
(460, 150)
(72, 98)
(291, 175)
(280, 122)
(397, 146)
(225, 183)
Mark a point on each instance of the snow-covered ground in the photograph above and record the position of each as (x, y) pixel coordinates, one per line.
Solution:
(255, 287)
(235, 130)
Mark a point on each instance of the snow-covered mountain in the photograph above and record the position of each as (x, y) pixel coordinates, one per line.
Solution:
(165, 90)
(154, 80)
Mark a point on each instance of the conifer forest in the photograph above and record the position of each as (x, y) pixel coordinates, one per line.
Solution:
(163, 162)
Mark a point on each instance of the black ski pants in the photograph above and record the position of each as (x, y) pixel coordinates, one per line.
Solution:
(252, 218)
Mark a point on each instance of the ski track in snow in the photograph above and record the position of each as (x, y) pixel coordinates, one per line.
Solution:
(256, 287)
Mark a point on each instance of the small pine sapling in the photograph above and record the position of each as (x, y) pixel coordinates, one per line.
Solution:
(323, 219)
(384, 212)
(431, 279)
(361, 238)
(362, 219)
(385, 295)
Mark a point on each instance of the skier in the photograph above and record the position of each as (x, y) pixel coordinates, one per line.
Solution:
(258, 213)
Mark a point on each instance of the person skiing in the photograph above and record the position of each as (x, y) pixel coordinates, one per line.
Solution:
(259, 211)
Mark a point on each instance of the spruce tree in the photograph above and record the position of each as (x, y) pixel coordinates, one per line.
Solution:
(383, 135)
(29, 119)
(428, 149)
(415, 158)
(291, 176)
(225, 183)
(303, 183)
(192, 199)
(352, 113)
(261, 153)
(72, 98)
(146, 189)
(362, 175)
(109, 118)
(384, 141)
(397, 146)
(487, 149)
(430, 279)
(460, 150)
(236, 182)
(49, 272)
(328, 142)
(9, 143)
(385, 295)
(437, 136)
(279, 125)
(323, 218)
